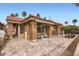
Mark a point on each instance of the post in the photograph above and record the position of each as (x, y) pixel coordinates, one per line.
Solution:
(49, 31)
(58, 31)
(63, 33)
(27, 33)
(18, 30)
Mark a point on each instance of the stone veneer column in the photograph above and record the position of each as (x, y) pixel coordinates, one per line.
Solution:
(57, 30)
(10, 30)
(33, 30)
(49, 31)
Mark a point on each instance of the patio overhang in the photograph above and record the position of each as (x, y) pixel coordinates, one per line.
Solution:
(31, 24)
(14, 22)
(44, 21)
(27, 20)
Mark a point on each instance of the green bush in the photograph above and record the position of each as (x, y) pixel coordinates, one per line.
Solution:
(70, 29)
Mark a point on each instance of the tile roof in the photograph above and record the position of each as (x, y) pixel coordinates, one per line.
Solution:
(10, 18)
(56, 23)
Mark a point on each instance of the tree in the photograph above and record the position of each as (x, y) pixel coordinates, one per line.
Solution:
(12, 15)
(38, 15)
(24, 14)
(16, 15)
(74, 21)
(70, 29)
(66, 22)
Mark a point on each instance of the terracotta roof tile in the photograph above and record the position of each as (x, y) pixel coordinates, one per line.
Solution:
(10, 18)
(56, 23)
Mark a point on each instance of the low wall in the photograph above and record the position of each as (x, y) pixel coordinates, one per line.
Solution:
(71, 48)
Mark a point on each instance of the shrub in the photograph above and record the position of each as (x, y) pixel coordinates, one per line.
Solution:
(71, 29)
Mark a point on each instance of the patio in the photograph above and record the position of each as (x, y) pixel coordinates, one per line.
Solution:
(39, 48)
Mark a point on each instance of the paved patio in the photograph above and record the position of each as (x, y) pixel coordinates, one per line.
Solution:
(42, 47)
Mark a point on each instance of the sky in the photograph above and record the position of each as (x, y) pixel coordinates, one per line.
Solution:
(59, 12)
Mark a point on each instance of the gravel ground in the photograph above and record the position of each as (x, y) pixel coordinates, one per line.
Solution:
(42, 47)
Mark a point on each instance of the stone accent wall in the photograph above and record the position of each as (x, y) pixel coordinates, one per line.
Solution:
(10, 29)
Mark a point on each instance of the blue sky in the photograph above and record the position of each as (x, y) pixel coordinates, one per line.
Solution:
(59, 12)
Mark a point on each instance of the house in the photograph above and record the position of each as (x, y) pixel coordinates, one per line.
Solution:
(32, 27)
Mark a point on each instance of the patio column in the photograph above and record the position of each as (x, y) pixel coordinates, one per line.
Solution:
(33, 30)
(58, 31)
(44, 29)
(18, 30)
(77, 50)
(63, 33)
(27, 33)
(49, 31)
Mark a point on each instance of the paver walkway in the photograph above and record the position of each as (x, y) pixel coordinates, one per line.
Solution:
(42, 47)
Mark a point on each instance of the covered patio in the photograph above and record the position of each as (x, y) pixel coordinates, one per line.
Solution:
(32, 28)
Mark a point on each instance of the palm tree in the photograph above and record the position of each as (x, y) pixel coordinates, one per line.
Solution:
(66, 22)
(12, 15)
(24, 14)
(74, 21)
(16, 15)
(38, 15)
